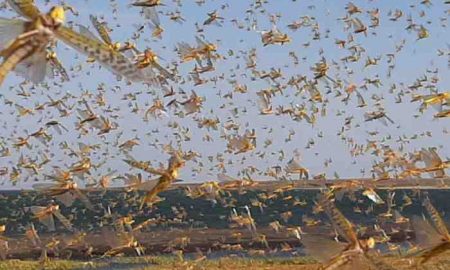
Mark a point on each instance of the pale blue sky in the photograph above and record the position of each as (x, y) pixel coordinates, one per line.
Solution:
(411, 63)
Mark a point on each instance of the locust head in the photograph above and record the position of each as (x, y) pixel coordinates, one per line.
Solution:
(211, 47)
(368, 244)
(176, 162)
(116, 46)
(58, 14)
(150, 55)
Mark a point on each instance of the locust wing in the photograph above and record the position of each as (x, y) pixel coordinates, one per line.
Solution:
(148, 185)
(84, 199)
(200, 42)
(87, 33)
(67, 198)
(361, 101)
(44, 218)
(57, 68)
(184, 49)
(164, 72)
(17, 52)
(321, 248)
(432, 242)
(339, 221)
(437, 220)
(10, 29)
(63, 220)
(145, 166)
(431, 158)
(152, 15)
(225, 178)
(44, 187)
(101, 29)
(26, 8)
(112, 60)
(426, 235)
(34, 68)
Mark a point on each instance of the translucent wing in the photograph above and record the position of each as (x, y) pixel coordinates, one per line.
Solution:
(49, 222)
(119, 227)
(10, 29)
(67, 198)
(33, 68)
(43, 186)
(263, 101)
(86, 32)
(339, 221)
(184, 49)
(26, 8)
(114, 61)
(97, 123)
(430, 158)
(144, 224)
(131, 53)
(84, 199)
(426, 235)
(59, 176)
(192, 107)
(143, 166)
(131, 179)
(58, 68)
(58, 127)
(154, 171)
(435, 157)
(200, 42)
(148, 185)
(152, 15)
(293, 166)
(389, 119)
(323, 249)
(36, 209)
(46, 219)
(3, 248)
(85, 114)
(358, 26)
(101, 29)
(225, 178)
(436, 218)
(433, 101)
(110, 237)
(63, 220)
(439, 173)
(383, 121)
(163, 71)
(21, 109)
(361, 101)
(15, 53)
(437, 107)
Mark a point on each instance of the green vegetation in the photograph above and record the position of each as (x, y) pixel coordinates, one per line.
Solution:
(160, 262)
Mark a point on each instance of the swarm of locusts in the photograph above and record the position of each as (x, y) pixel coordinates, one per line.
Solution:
(348, 100)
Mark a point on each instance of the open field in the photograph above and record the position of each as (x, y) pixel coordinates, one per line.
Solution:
(205, 228)
(229, 263)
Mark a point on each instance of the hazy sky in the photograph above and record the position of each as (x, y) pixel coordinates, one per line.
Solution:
(411, 63)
